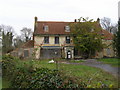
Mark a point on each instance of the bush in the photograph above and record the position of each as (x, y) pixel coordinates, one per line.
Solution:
(24, 75)
(11, 65)
(8, 65)
(44, 78)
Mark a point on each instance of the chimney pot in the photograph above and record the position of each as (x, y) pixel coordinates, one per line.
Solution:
(75, 20)
(36, 19)
(35, 25)
(98, 19)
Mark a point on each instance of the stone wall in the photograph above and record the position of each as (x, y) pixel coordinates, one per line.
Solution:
(40, 40)
(45, 53)
(20, 53)
(107, 51)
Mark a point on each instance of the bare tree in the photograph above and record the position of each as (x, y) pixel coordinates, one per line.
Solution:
(18, 41)
(26, 33)
(106, 24)
(114, 28)
(6, 28)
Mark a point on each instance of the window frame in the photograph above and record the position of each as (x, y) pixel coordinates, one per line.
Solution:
(67, 40)
(46, 39)
(67, 28)
(57, 40)
(46, 28)
(27, 53)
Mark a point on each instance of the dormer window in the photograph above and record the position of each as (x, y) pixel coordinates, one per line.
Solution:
(46, 28)
(67, 28)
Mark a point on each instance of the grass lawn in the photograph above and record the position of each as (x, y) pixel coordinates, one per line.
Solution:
(112, 61)
(88, 74)
(76, 61)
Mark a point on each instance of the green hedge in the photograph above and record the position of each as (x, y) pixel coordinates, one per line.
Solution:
(43, 78)
(25, 76)
(22, 75)
(8, 65)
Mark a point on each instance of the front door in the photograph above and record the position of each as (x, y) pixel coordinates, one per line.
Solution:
(68, 54)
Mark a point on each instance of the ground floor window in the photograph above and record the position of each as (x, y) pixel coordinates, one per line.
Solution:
(50, 53)
(26, 53)
(76, 52)
(108, 51)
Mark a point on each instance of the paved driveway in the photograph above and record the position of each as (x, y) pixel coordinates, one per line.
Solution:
(106, 67)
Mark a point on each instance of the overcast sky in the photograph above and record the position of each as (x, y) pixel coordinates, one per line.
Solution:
(21, 13)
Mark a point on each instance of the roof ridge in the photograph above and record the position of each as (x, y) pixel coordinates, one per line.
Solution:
(26, 43)
(60, 22)
(55, 22)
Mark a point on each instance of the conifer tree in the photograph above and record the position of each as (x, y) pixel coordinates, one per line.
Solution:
(116, 42)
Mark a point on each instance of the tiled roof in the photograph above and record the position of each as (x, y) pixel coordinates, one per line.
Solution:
(54, 27)
(28, 44)
(106, 35)
(59, 28)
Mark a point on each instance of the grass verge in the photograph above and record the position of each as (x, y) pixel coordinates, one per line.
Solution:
(76, 61)
(112, 61)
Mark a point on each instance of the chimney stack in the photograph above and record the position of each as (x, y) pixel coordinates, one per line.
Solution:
(75, 20)
(35, 19)
(98, 20)
(35, 23)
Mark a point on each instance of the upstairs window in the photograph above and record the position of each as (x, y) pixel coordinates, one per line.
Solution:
(67, 28)
(46, 39)
(68, 39)
(56, 40)
(46, 28)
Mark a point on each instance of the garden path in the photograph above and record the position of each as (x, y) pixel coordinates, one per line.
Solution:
(94, 63)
